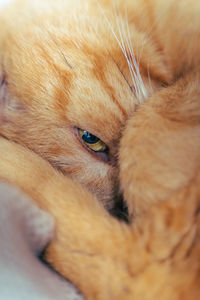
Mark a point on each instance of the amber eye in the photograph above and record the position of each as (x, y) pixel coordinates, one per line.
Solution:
(92, 142)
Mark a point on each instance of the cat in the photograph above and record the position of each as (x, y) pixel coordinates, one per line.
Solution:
(157, 254)
(70, 80)
(55, 81)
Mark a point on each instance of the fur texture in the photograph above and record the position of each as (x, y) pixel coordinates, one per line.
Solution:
(58, 73)
(92, 65)
(157, 254)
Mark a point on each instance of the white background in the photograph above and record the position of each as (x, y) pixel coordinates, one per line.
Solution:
(3, 2)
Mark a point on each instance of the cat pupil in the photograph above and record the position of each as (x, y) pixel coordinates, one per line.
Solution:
(89, 138)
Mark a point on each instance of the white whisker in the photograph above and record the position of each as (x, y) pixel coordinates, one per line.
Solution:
(134, 66)
(109, 24)
(128, 58)
(140, 82)
(124, 41)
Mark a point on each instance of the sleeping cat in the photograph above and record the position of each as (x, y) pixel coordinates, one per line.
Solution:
(72, 74)
(157, 255)
(68, 84)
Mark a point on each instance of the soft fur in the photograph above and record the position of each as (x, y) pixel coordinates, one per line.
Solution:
(62, 67)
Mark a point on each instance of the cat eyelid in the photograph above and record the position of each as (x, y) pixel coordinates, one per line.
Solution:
(102, 156)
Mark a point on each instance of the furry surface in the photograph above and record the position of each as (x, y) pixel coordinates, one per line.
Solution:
(157, 254)
(25, 231)
(56, 78)
(63, 68)
(88, 64)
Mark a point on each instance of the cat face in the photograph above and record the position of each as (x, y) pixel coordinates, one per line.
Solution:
(64, 73)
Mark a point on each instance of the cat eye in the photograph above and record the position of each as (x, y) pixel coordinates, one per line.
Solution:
(91, 141)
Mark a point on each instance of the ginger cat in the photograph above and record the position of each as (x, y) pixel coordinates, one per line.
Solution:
(66, 64)
(157, 255)
(72, 74)
(62, 74)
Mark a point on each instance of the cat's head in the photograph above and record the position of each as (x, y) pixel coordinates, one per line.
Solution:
(70, 78)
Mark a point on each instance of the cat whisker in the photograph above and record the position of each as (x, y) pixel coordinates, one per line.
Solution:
(136, 63)
(119, 43)
(133, 65)
(126, 54)
(110, 26)
(131, 70)
(97, 34)
(138, 84)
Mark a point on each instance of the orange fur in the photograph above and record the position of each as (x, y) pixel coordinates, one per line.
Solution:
(56, 78)
(156, 255)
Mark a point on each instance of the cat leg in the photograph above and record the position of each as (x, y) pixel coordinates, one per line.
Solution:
(108, 259)
(159, 152)
(160, 172)
(89, 246)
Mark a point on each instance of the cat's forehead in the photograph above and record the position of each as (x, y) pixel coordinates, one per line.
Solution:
(93, 92)
(75, 66)
(49, 47)
(85, 85)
